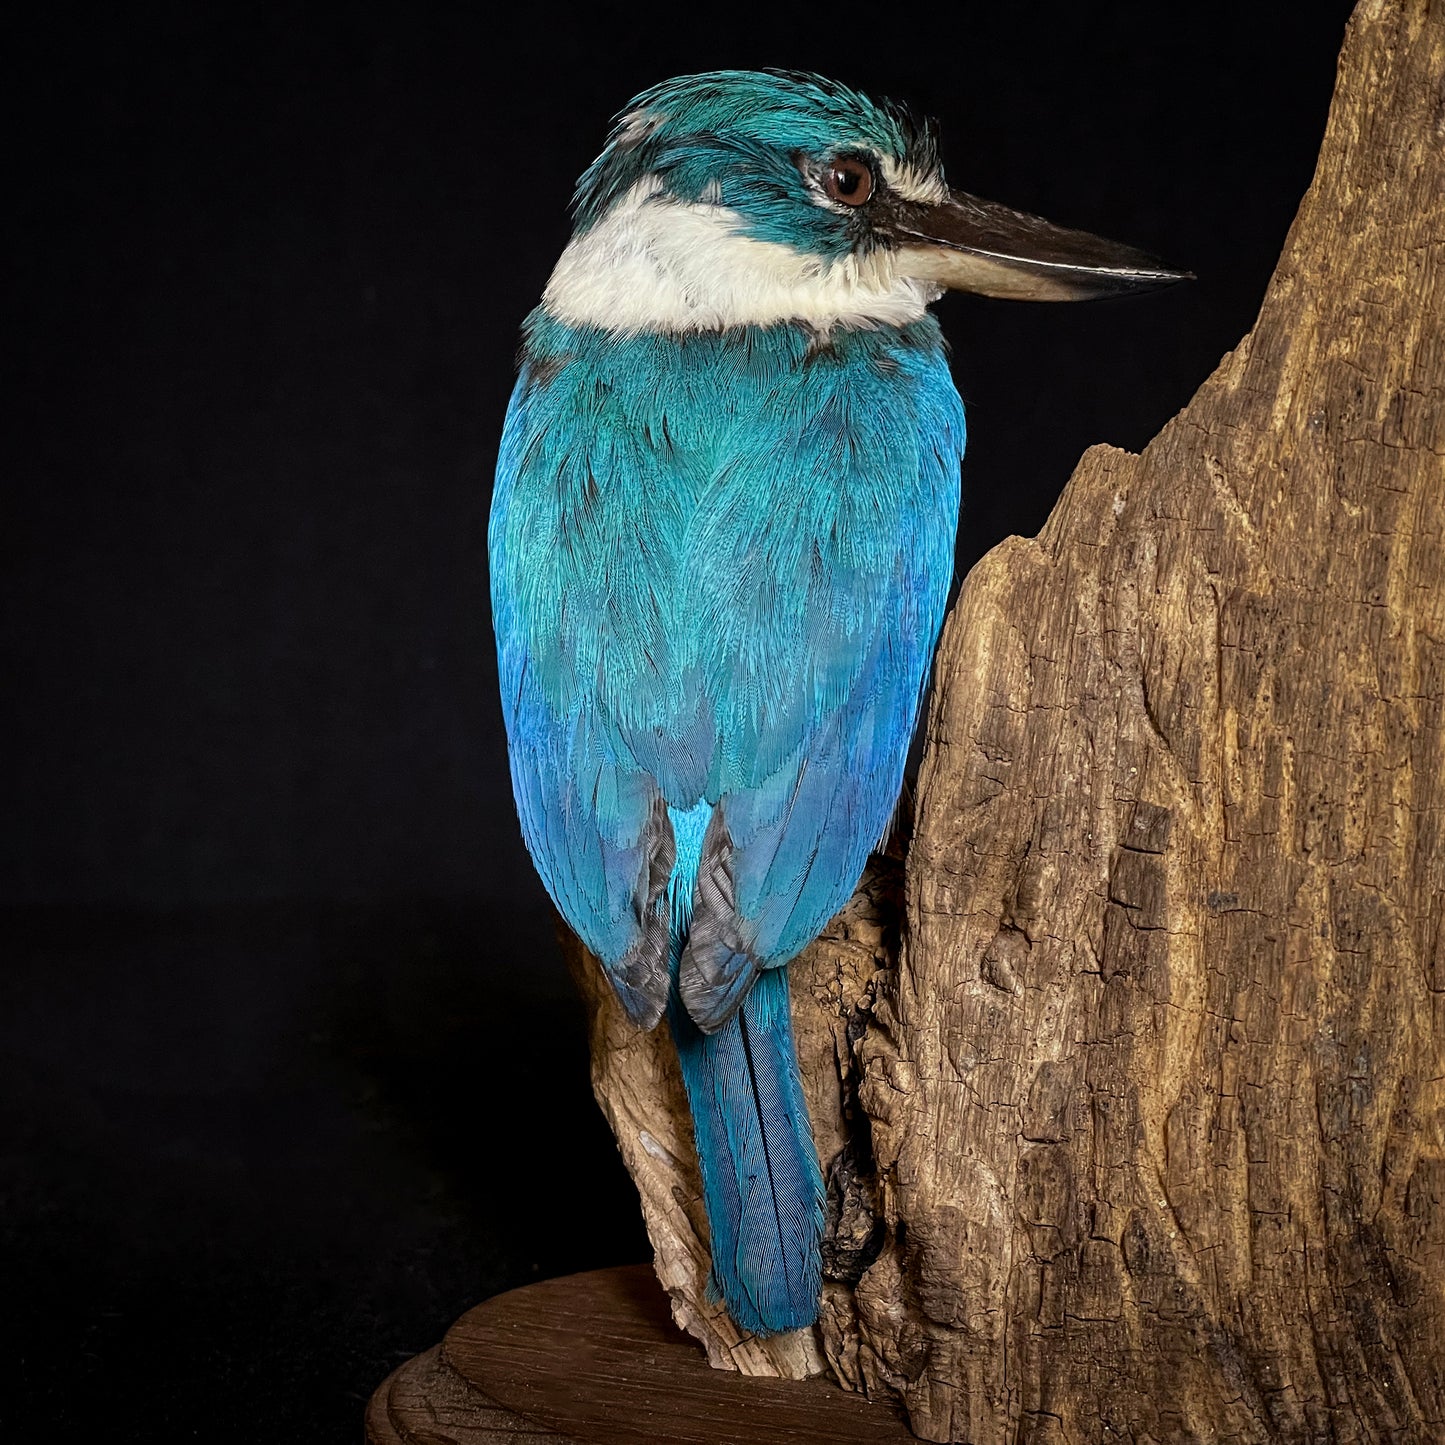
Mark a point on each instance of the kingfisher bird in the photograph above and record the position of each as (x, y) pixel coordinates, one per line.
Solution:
(721, 542)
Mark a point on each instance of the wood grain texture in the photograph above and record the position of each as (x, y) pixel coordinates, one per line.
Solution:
(1136, 1128)
(596, 1358)
(426, 1402)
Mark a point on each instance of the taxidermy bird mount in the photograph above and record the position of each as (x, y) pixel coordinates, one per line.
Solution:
(721, 540)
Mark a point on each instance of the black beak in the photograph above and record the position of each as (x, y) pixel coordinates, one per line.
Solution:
(972, 245)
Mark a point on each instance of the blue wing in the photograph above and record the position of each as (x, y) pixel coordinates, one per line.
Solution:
(825, 553)
(719, 568)
(583, 571)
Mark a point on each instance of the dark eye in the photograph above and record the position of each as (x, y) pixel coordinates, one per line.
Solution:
(850, 182)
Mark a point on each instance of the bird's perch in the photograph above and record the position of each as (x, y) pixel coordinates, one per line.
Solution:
(1130, 1087)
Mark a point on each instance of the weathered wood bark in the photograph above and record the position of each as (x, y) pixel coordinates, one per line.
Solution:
(1136, 1128)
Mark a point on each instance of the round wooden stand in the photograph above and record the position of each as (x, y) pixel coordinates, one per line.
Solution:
(596, 1357)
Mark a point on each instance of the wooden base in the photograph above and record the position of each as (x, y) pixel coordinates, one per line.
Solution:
(596, 1357)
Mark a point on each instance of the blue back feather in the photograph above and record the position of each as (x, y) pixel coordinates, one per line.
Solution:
(719, 566)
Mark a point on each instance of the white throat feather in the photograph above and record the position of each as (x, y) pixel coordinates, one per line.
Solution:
(654, 263)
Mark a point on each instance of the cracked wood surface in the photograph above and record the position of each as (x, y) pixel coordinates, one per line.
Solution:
(1139, 1129)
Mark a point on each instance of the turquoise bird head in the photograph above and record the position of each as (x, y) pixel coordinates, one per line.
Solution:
(751, 197)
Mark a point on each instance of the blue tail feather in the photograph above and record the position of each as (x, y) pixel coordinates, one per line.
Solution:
(762, 1185)
(761, 1181)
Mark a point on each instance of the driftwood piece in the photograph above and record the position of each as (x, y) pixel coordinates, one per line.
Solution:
(1138, 1129)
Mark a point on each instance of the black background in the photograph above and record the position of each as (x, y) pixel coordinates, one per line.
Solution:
(291, 1072)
